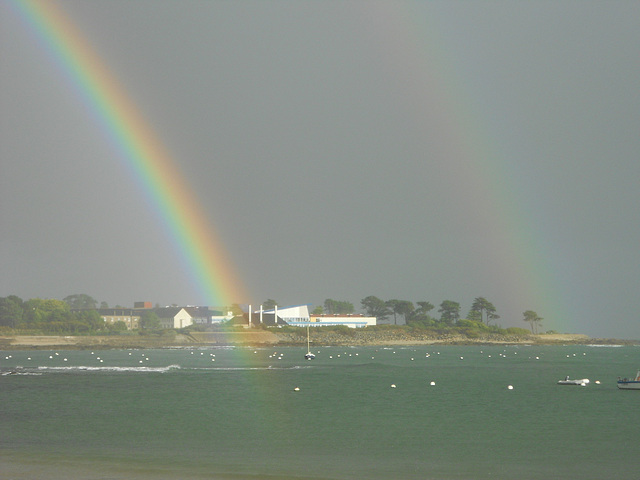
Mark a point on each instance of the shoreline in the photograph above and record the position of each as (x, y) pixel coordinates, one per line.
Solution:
(266, 338)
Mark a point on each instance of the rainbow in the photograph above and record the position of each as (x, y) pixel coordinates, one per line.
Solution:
(431, 73)
(156, 171)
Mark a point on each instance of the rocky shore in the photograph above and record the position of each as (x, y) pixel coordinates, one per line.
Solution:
(263, 338)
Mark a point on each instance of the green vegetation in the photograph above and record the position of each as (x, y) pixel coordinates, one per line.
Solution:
(78, 315)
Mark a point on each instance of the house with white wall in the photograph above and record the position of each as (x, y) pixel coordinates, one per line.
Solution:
(174, 317)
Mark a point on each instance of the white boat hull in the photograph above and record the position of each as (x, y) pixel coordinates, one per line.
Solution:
(581, 381)
(629, 385)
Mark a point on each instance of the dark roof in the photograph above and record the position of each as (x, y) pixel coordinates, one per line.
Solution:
(167, 312)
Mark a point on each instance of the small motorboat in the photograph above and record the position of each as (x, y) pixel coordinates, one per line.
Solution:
(627, 384)
(578, 381)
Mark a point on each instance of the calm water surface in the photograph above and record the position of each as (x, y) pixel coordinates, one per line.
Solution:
(241, 413)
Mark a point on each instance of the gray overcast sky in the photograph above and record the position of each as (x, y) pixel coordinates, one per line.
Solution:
(413, 150)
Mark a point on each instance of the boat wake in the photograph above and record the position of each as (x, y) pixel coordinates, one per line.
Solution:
(86, 368)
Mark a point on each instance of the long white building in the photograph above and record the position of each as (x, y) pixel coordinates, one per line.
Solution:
(298, 316)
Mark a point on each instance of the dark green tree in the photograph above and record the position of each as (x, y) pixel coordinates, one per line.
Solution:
(482, 309)
(533, 319)
(269, 304)
(38, 311)
(340, 307)
(392, 305)
(11, 311)
(81, 301)
(150, 321)
(449, 312)
(91, 318)
(400, 307)
(375, 307)
(421, 314)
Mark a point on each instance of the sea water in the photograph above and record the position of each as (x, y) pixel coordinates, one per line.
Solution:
(419, 412)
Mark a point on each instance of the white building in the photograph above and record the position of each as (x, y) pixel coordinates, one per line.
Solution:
(292, 315)
(174, 317)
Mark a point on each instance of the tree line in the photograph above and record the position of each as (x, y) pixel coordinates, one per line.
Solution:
(53, 316)
(419, 313)
(78, 313)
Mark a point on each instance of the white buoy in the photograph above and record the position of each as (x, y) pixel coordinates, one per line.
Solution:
(432, 383)
(297, 389)
(510, 387)
(393, 385)
(597, 382)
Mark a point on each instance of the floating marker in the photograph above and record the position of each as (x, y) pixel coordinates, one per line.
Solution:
(510, 387)
(432, 383)
(297, 389)
(393, 385)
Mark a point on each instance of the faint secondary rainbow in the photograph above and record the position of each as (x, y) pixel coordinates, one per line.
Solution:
(194, 239)
(431, 76)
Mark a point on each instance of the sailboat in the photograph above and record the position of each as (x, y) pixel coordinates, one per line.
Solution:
(308, 355)
(627, 384)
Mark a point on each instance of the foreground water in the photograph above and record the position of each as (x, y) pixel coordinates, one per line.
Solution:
(352, 413)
